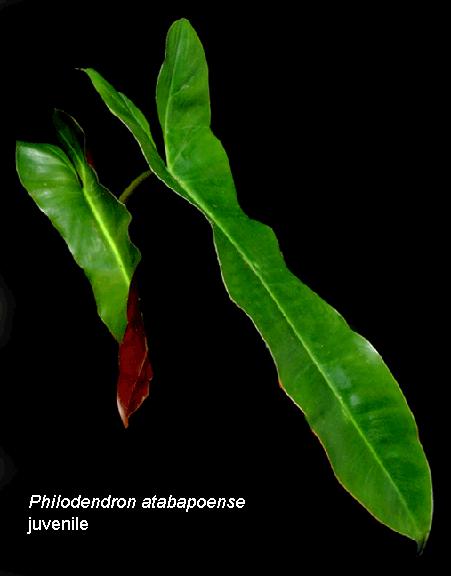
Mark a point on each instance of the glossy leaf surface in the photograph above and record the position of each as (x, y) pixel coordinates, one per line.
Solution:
(349, 397)
(89, 218)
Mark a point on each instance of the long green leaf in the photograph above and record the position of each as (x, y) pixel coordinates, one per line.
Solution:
(89, 218)
(350, 399)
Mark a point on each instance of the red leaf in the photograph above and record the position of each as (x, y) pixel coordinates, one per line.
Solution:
(135, 371)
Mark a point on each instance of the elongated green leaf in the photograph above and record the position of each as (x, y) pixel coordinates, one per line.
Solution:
(350, 399)
(89, 218)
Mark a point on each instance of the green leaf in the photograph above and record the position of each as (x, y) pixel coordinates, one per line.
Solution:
(89, 218)
(133, 118)
(349, 397)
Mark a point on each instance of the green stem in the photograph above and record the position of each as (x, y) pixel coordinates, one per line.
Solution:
(129, 190)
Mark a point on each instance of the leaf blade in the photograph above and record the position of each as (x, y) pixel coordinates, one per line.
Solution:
(349, 397)
(92, 222)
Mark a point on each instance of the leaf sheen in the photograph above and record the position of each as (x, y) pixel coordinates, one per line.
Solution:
(349, 397)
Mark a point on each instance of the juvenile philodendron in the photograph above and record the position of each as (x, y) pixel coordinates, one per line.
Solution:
(346, 392)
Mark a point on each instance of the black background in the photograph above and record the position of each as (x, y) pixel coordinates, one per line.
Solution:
(331, 130)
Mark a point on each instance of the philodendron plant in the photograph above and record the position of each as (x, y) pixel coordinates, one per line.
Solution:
(346, 392)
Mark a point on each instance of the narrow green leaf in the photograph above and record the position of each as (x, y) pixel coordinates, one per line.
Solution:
(349, 397)
(89, 218)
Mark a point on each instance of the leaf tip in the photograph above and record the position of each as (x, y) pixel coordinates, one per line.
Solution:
(122, 412)
(421, 543)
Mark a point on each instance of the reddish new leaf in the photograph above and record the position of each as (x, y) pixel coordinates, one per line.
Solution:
(135, 371)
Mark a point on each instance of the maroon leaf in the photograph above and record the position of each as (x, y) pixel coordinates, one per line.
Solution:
(135, 371)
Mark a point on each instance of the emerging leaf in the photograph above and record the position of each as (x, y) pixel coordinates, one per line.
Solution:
(135, 371)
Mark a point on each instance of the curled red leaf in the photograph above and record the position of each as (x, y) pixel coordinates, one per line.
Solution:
(135, 371)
